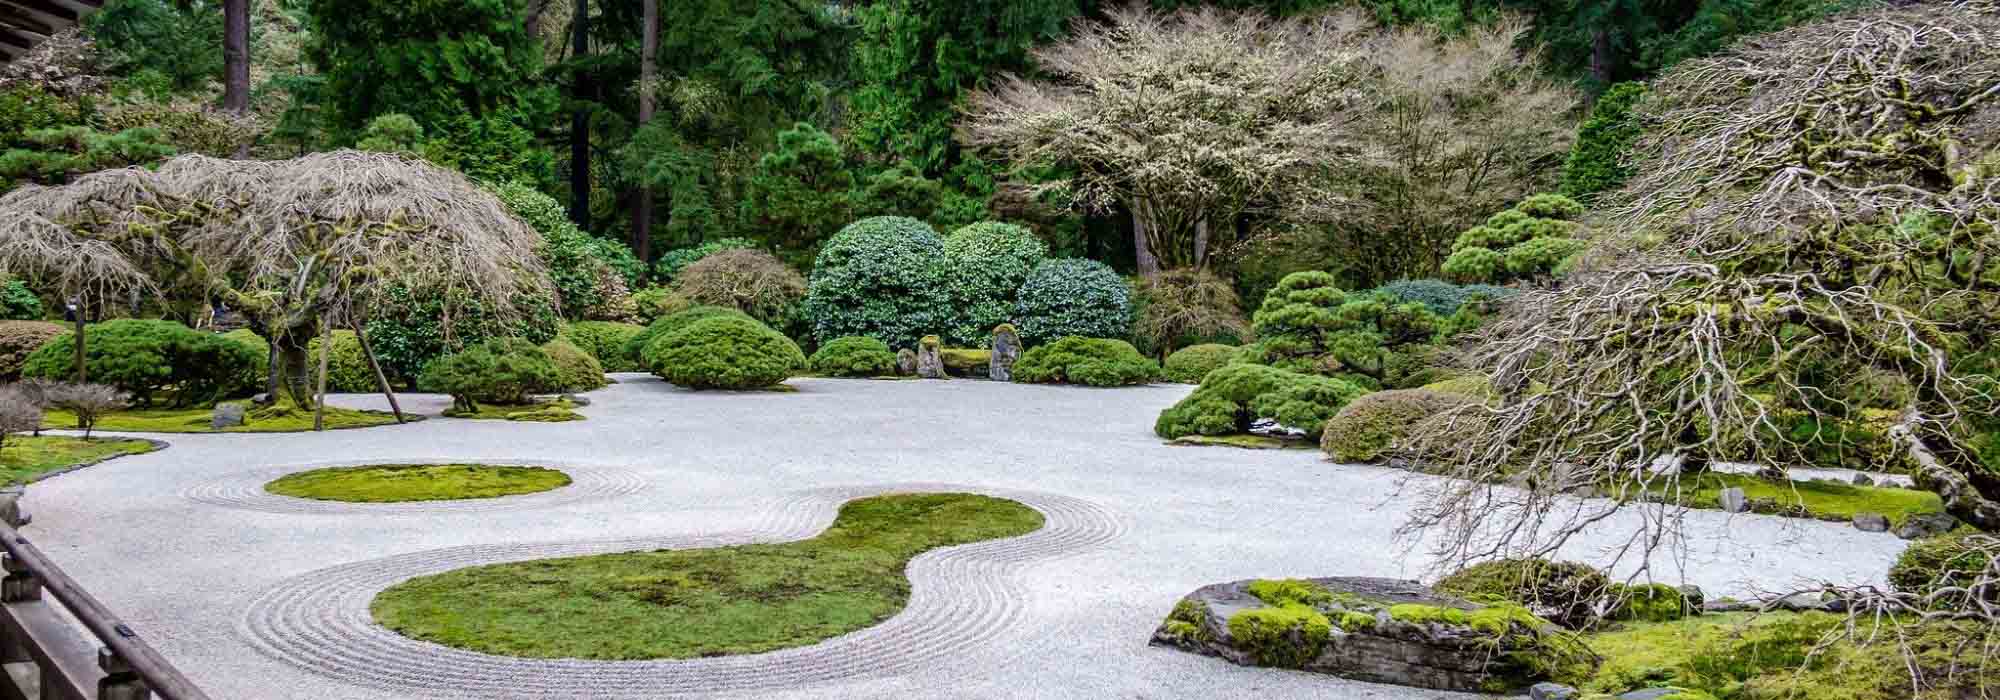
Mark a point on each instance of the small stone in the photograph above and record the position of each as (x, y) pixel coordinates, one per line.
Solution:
(1006, 349)
(576, 400)
(261, 399)
(1803, 602)
(1871, 522)
(226, 415)
(1551, 691)
(1734, 501)
(1924, 525)
(906, 362)
(1861, 479)
(930, 358)
(1727, 604)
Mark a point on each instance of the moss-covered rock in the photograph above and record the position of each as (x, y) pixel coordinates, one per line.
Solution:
(1653, 602)
(1376, 630)
(1565, 593)
(966, 362)
(1948, 562)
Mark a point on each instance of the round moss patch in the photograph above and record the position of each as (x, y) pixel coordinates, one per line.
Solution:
(400, 483)
(678, 604)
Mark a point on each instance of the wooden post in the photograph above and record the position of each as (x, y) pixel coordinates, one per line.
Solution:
(325, 350)
(381, 378)
(76, 313)
(119, 681)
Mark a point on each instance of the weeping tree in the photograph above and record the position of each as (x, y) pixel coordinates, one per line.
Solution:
(302, 246)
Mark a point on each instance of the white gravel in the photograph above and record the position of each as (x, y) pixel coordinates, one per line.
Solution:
(149, 535)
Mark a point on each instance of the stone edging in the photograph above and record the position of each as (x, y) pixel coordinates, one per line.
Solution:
(962, 599)
(245, 490)
(157, 446)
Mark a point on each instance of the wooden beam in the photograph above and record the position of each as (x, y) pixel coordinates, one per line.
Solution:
(61, 12)
(24, 22)
(16, 40)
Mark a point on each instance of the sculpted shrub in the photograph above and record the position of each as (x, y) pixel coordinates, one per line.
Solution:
(884, 277)
(854, 356)
(988, 263)
(666, 325)
(606, 341)
(148, 358)
(1535, 239)
(1087, 361)
(724, 352)
(1307, 324)
(498, 371)
(1073, 297)
(1189, 364)
(575, 369)
(1370, 426)
(1234, 396)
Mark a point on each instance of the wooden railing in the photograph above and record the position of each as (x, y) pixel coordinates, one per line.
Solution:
(44, 655)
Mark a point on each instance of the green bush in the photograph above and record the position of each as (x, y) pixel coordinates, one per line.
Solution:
(1232, 397)
(498, 371)
(1073, 297)
(607, 341)
(751, 281)
(1954, 559)
(989, 261)
(1372, 424)
(148, 358)
(576, 370)
(255, 375)
(591, 275)
(854, 356)
(347, 370)
(1565, 593)
(1306, 324)
(1189, 364)
(1537, 238)
(1596, 162)
(407, 327)
(18, 339)
(636, 347)
(19, 303)
(1441, 297)
(653, 303)
(670, 264)
(882, 277)
(1087, 361)
(724, 352)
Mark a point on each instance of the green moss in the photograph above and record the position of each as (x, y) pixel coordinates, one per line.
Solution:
(1952, 560)
(1749, 656)
(399, 483)
(1420, 614)
(1652, 602)
(1352, 621)
(25, 457)
(1819, 499)
(1290, 590)
(693, 603)
(268, 419)
(1248, 442)
(1568, 591)
(965, 359)
(552, 412)
(1188, 623)
(1289, 636)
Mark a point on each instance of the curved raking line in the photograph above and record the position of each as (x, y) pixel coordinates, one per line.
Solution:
(246, 490)
(961, 598)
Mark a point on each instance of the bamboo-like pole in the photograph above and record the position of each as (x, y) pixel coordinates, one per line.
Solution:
(381, 378)
(325, 350)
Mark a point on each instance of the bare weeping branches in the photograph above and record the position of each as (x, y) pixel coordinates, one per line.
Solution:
(1813, 211)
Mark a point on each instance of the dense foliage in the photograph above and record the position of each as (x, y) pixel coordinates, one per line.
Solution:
(1597, 161)
(724, 352)
(668, 324)
(1182, 306)
(751, 281)
(1230, 399)
(853, 356)
(498, 371)
(606, 341)
(1189, 364)
(1534, 240)
(882, 277)
(1073, 297)
(576, 370)
(148, 359)
(1087, 361)
(592, 275)
(988, 261)
(1307, 324)
(409, 328)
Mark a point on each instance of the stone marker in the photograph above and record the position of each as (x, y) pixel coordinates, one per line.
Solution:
(226, 415)
(1871, 522)
(1551, 691)
(930, 358)
(1734, 501)
(1917, 527)
(1006, 349)
(906, 362)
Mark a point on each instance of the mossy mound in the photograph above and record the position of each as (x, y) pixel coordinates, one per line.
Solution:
(1375, 424)
(1375, 630)
(263, 419)
(401, 483)
(1189, 364)
(550, 412)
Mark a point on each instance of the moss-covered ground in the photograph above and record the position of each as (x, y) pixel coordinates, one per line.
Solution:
(552, 412)
(1248, 442)
(25, 457)
(1741, 655)
(1821, 499)
(702, 602)
(268, 419)
(399, 483)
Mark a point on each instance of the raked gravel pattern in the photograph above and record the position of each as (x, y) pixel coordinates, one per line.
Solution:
(257, 601)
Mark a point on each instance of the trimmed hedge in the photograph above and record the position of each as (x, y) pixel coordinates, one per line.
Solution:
(724, 352)
(18, 339)
(1441, 297)
(607, 341)
(1232, 397)
(1373, 424)
(148, 358)
(576, 370)
(1189, 364)
(636, 347)
(854, 356)
(499, 371)
(883, 277)
(1087, 361)
(1073, 297)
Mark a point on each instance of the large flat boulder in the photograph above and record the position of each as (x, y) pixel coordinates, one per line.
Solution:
(1371, 629)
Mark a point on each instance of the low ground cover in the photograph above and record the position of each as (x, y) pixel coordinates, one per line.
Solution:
(26, 457)
(268, 419)
(399, 483)
(1820, 499)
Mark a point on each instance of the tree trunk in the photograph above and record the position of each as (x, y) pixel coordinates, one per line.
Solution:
(1601, 59)
(579, 124)
(82, 371)
(236, 61)
(325, 352)
(1960, 498)
(1201, 242)
(381, 378)
(295, 365)
(649, 68)
(1142, 247)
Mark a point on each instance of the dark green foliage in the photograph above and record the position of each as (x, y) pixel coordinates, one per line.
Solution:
(1232, 397)
(904, 191)
(396, 133)
(19, 303)
(1565, 593)
(1596, 161)
(407, 331)
(1307, 324)
(724, 352)
(673, 261)
(449, 64)
(652, 304)
(26, 107)
(148, 358)
(1652, 602)
(500, 371)
(1533, 240)
(853, 356)
(665, 325)
(497, 147)
(178, 42)
(1073, 297)
(1365, 429)
(883, 277)
(1441, 297)
(1609, 41)
(1952, 560)
(1087, 361)
(54, 156)
(255, 374)
(589, 272)
(607, 341)
(1189, 364)
(801, 191)
(576, 370)
(347, 369)
(19, 339)
(989, 261)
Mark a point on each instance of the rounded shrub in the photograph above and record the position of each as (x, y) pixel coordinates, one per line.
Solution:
(636, 347)
(408, 327)
(20, 338)
(854, 356)
(1088, 361)
(654, 303)
(1950, 560)
(1235, 395)
(724, 352)
(989, 261)
(148, 358)
(498, 371)
(751, 281)
(607, 341)
(1073, 297)
(576, 370)
(883, 277)
(1565, 593)
(1372, 424)
(1189, 364)
(347, 370)
(18, 302)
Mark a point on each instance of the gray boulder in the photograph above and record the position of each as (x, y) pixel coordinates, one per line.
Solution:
(906, 362)
(930, 359)
(1733, 500)
(1861, 479)
(1369, 629)
(1006, 350)
(1551, 691)
(1920, 526)
(1871, 522)
(227, 415)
